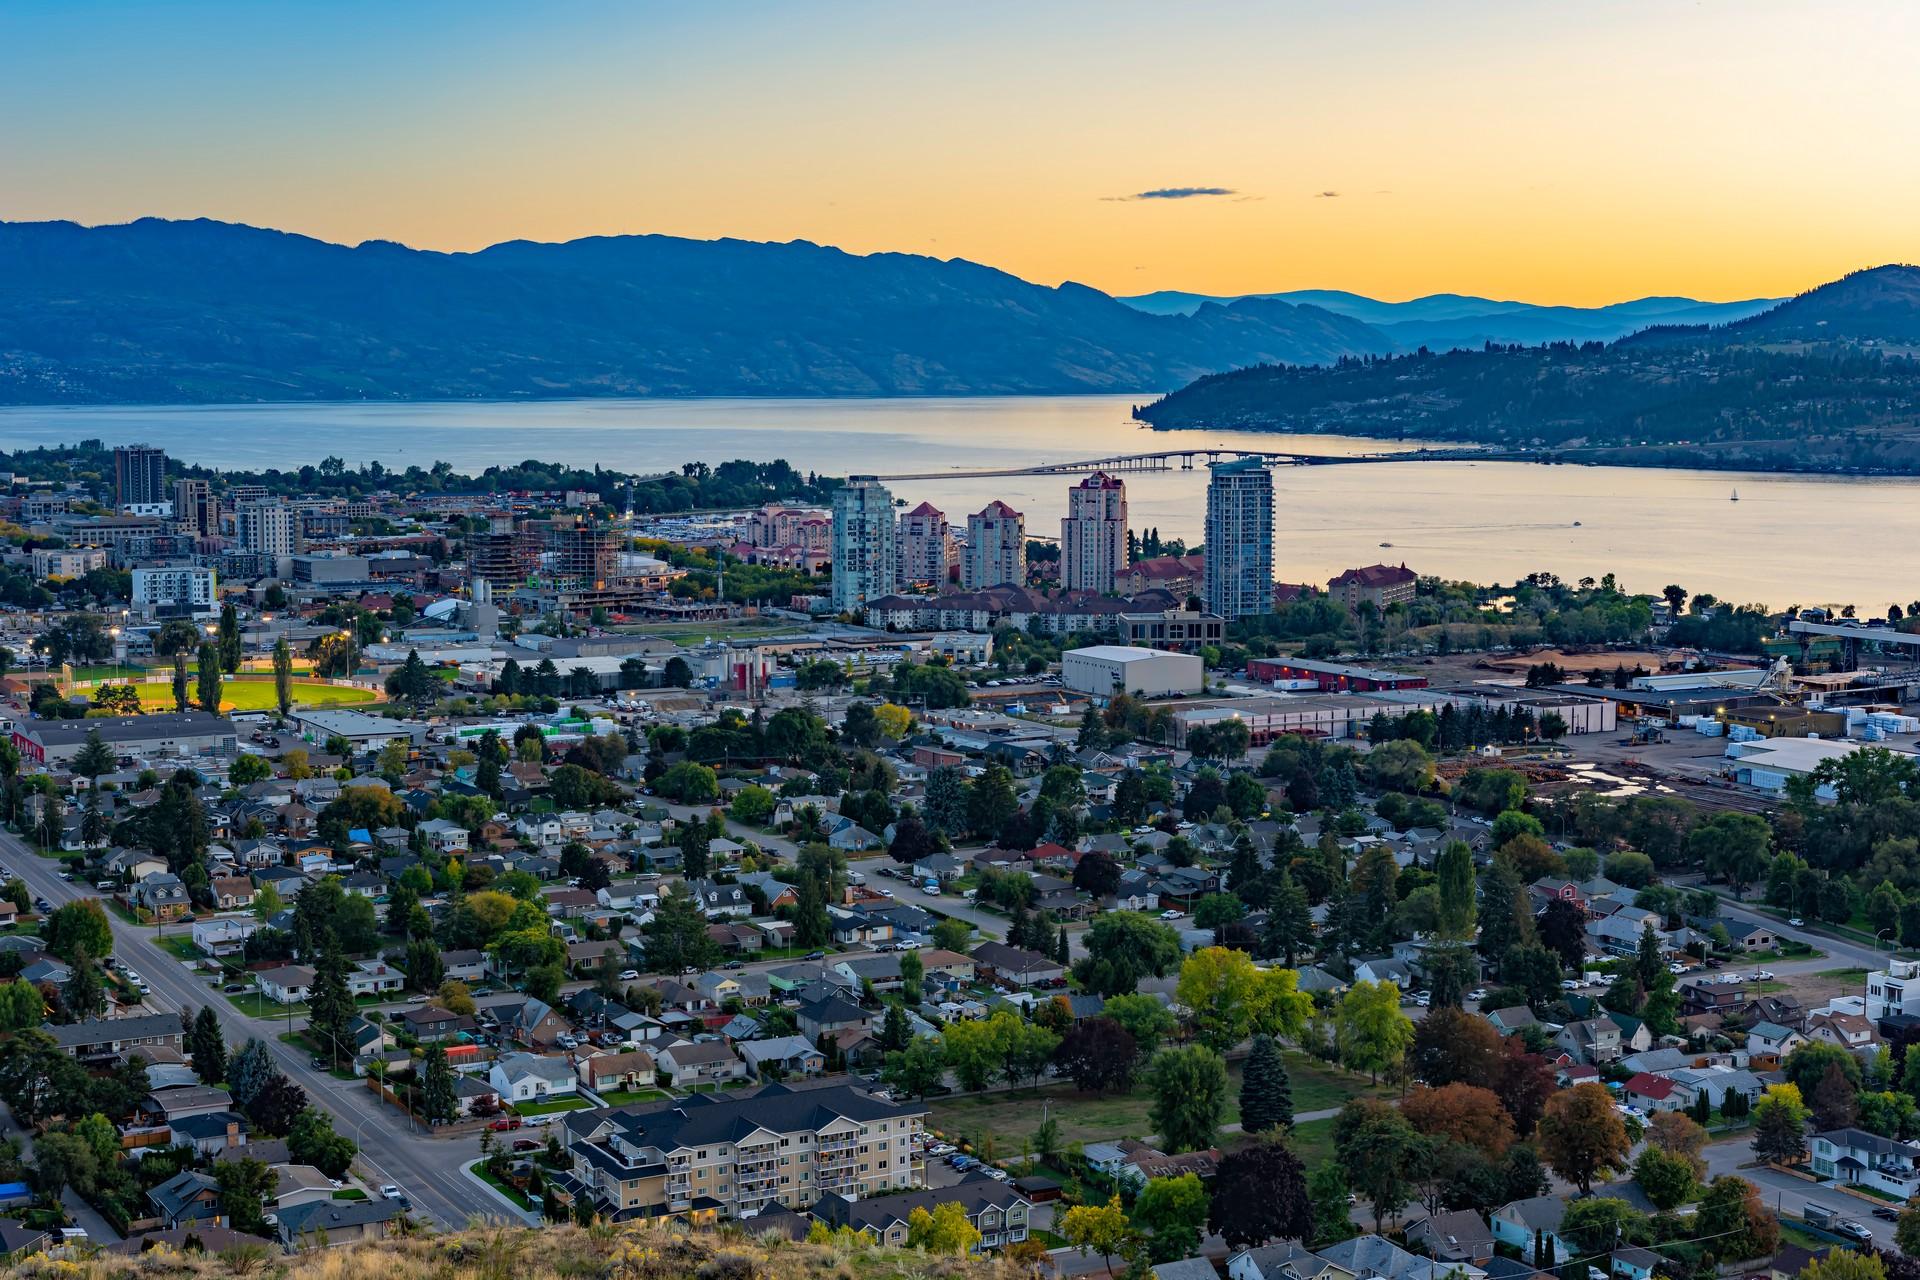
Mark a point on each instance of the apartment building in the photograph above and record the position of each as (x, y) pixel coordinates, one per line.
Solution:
(174, 589)
(733, 1154)
(925, 545)
(1093, 534)
(864, 560)
(1379, 585)
(195, 510)
(268, 527)
(66, 562)
(996, 548)
(139, 475)
(1239, 559)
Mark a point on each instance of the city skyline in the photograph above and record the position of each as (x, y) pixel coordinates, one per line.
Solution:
(1395, 150)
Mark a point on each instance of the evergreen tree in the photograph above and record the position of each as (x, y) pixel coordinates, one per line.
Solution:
(895, 1033)
(1454, 868)
(208, 689)
(1289, 920)
(229, 639)
(182, 699)
(436, 1089)
(83, 995)
(249, 1072)
(208, 1047)
(1266, 1092)
(283, 675)
(94, 758)
(1062, 948)
(330, 1008)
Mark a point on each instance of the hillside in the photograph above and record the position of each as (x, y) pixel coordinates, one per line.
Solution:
(554, 1252)
(159, 311)
(1826, 381)
(1444, 321)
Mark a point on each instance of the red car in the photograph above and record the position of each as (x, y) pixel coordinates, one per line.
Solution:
(504, 1123)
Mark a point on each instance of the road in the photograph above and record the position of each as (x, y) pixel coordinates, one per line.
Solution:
(1786, 1195)
(429, 1170)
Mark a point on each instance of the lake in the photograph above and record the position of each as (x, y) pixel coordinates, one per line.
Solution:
(1788, 540)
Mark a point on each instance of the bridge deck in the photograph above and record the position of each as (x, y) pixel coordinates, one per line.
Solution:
(1188, 459)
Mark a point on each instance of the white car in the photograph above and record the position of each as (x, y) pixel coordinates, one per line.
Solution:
(1760, 975)
(1478, 993)
(629, 975)
(1424, 999)
(389, 1191)
(1569, 984)
(1169, 914)
(1797, 922)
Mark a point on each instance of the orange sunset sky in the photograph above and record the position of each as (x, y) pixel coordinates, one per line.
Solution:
(1573, 153)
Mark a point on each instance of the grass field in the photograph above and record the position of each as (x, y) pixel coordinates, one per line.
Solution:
(627, 1097)
(1843, 975)
(257, 695)
(481, 1172)
(1014, 1116)
(575, 1103)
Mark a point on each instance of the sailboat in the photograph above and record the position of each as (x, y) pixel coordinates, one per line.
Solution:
(1735, 497)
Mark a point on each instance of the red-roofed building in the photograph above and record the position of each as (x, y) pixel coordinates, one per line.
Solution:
(1652, 1093)
(1377, 584)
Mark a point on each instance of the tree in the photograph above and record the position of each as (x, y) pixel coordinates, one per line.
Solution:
(244, 1186)
(437, 1100)
(1581, 1136)
(249, 1072)
(1379, 1152)
(275, 1108)
(1124, 948)
(1845, 1264)
(676, 937)
(1678, 1135)
(1595, 1225)
(1452, 1046)
(1780, 1125)
(1401, 765)
(1260, 1193)
(1454, 870)
(917, 1069)
(913, 973)
(1906, 1233)
(181, 700)
(208, 1047)
(1808, 1065)
(1101, 1229)
(991, 802)
(94, 758)
(1835, 1102)
(283, 675)
(953, 935)
(1462, 1113)
(1230, 998)
(1732, 1211)
(1327, 1192)
(208, 690)
(1266, 1092)
(1189, 1097)
(330, 1007)
(1372, 1032)
(84, 995)
(1174, 1210)
(313, 1141)
(77, 926)
(21, 1006)
(1097, 875)
(1667, 1179)
(1146, 1019)
(1734, 847)
(946, 1230)
(1098, 1055)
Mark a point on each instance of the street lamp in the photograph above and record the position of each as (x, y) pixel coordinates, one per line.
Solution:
(1876, 940)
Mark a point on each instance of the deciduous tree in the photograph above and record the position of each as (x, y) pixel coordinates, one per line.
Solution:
(1581, 1136)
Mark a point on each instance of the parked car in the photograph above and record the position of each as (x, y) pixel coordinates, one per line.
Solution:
(527, 1144)
(1797, 922)
(1886, 1213)
(629, 975)
(390, 1192)
(1848, 1227)
(504, 1123)
(234, 988)
(1169, 914)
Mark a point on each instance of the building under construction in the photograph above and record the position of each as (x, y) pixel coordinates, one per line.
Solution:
(504, 555)
(580, 555)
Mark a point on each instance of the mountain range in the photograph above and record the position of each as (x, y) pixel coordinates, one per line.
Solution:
(1442, 321)
(195, 311)
(1828, 380)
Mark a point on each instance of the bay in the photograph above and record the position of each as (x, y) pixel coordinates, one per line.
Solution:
(1825, 540)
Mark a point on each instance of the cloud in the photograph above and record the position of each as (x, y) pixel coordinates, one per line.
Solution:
(1328, 195)
(1175, 193)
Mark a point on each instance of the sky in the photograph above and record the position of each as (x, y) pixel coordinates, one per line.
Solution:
(1567, 153)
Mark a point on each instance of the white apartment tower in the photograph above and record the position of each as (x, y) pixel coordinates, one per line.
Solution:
(864, 560)
(269, 527)
(1239, 572)
(925, 545)
(1093, 535)
(996, 548)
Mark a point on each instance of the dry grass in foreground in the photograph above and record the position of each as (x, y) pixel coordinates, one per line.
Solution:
(635, 1252)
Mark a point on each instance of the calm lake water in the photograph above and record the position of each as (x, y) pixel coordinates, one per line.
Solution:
(1788, 540)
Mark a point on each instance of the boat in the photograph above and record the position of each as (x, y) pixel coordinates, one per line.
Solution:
(1576, 524)
(1386, 544)
(1735, 497)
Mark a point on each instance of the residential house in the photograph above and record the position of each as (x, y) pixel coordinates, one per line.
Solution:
(1711, 997)
(1848, 1030)
(1509, 1020)
(528, 1077)
(188, 1197)
(1651, 1093)
(163, 895)
(467, 965)
(328, 1223)
(823, 1013)
(1859, 1158)
(1457, 1236)
(222, 937)
(1771, 1040)
(232, 893)
(1016, 968)
(628, 1071)
(783, 1056)
(1716, 1082)
(97, 1040)
(1754, 937)
(430, 1024)
(700, 1062)
(1593, 1040)
(1532, 1226)
(997, 1210)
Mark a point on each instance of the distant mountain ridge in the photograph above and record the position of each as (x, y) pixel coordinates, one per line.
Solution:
(1826, 381)
(199, 311)
(1443, 321)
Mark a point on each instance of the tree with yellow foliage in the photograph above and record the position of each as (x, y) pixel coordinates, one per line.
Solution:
(945, 1230)
(1232, 999)
(893, 721)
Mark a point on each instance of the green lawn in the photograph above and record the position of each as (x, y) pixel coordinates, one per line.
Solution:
(258, 695)
(350, 1193)
(1312, 1142)
(1843, 975)
(480, 1170)
(627, 1097)
(256, 1005)
(179, 948)
(550, 1106)
(1011, 1117)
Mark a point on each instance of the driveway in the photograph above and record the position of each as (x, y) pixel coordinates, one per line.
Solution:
(1786, 1195)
